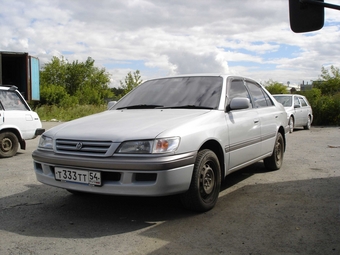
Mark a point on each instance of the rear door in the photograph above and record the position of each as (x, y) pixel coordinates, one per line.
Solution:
(305, 110)
(268, 116)
(299, 115)
(35, 78)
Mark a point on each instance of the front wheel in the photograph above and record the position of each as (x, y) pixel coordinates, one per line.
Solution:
(291, 124)
(274, 162)
(9, 144)
(205, 183)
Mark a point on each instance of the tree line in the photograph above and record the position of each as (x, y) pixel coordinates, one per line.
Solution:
(324, 96)
(68, 84)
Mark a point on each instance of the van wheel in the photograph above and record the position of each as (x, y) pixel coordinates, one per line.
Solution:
(274, 162)
(205, 183)
(9, 144)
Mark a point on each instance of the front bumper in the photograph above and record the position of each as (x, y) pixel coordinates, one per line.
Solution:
(132, 176)
(39, 131)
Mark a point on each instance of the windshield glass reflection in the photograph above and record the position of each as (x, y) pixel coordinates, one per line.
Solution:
(178, 92)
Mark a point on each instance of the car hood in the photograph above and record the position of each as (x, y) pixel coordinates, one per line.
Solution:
(121, 125)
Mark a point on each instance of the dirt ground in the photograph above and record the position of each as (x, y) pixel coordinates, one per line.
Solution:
(295, 210)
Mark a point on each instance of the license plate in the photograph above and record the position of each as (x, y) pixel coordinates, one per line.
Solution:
(79, 176)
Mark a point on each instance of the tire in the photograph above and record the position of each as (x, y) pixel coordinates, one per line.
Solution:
(205, 183)
(9, 144)
(291, 124)
(308, 124)
(274, 162)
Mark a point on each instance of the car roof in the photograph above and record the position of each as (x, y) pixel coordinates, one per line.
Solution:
(203, 74)
(289, 95)
(8, 87)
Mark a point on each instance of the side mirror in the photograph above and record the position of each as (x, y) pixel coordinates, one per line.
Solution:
(239, 103)
(306, 16)
(111, 104)
(296, 106)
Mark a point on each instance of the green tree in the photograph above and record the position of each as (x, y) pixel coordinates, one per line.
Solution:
(118, 93)
(275, 87)
(74, 83)
(329, 81)
(132, 80)
(54, 72)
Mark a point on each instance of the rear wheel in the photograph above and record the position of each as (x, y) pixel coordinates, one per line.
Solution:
(308, 124)
(9, 144)
(205, 183)
(274, 162)
(291, 124)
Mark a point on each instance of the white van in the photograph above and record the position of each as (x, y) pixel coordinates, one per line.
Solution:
(17, 122)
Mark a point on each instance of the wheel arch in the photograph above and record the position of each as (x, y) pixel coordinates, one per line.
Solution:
(17, 134)
(311, 117)
(282, 131)
(215, 146)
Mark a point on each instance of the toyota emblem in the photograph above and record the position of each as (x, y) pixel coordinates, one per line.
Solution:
(79, 146)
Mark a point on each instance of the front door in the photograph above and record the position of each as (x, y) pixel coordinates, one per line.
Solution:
(244, 129)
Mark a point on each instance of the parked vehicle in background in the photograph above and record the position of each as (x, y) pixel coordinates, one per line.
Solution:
(174, 135)
(17, 122)
(299, 111)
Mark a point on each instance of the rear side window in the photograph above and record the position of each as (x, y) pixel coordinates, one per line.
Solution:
(303, 102)
(260, 98)
(268, 100)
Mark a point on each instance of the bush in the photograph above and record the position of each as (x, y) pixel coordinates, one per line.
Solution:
(326, 108)
(53, 112)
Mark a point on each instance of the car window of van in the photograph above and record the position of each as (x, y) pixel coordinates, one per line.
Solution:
(10, 101)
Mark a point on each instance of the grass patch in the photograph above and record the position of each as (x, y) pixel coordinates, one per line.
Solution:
(51, 112)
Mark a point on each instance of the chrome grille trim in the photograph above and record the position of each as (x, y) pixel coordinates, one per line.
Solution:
(78, 147)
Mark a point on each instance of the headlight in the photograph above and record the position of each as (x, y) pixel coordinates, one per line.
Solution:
(45, 142)
(164, 145)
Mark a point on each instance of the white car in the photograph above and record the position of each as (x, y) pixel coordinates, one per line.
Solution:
(173, 135)
(299, 111)
(17, 122)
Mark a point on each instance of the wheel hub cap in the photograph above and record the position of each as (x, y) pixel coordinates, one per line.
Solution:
(207, 179)
(6, 145)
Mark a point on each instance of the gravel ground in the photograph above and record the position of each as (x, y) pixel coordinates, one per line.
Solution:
(295, 210)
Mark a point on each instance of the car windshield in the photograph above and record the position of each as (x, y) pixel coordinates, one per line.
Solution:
(286, 101)
(198, 92)
(11, 101)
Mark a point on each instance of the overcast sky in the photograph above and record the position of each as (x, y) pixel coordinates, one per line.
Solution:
(160, 38)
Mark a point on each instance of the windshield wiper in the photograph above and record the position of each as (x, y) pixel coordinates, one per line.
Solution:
(141, 106)
(189, 106)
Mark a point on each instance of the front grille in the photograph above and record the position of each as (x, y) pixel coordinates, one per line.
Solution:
(76, 147)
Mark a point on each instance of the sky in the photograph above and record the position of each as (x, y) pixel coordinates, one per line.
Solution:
(161, 38)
